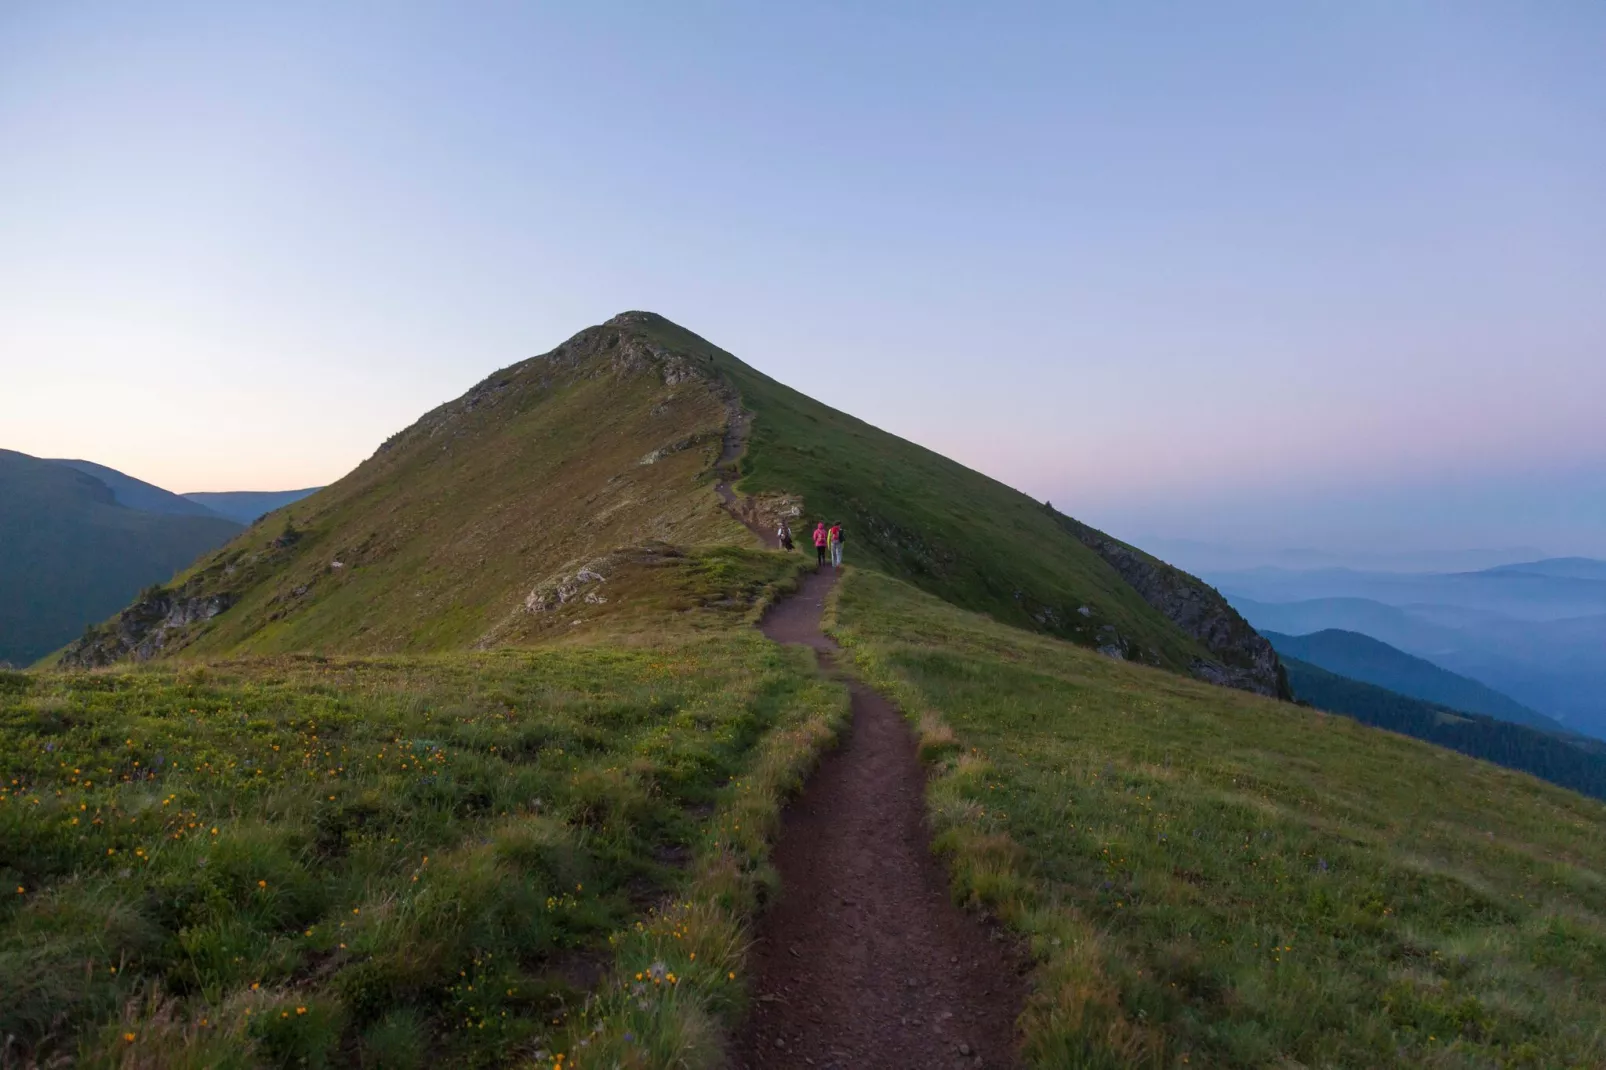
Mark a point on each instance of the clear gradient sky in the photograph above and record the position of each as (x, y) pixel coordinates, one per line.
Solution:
(1311, 274)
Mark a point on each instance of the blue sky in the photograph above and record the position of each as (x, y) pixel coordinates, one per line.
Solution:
(1326, 275)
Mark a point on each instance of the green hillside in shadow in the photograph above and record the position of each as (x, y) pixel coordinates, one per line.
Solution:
(69, 553)
(1360, 657)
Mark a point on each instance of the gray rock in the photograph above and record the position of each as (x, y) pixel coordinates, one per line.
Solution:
(1243, 658)
(145, 628)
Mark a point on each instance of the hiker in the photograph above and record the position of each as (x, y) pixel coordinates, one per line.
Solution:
(819, 544)
(834, 536)
(783, 536)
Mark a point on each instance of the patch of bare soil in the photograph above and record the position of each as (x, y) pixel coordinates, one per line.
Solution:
(863, 960)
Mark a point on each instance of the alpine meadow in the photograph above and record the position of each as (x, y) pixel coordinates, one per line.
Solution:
(478, 757)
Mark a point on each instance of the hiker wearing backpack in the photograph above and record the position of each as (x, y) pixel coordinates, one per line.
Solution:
(819, 544)
(783, 536)
(834, 537)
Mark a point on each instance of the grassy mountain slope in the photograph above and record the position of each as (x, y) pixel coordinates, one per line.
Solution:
(1360, 657)
(552, 481)
(1214, 879)
(917, 515)
(1573, 761)
(245, 506)
(467, 528)
(69, 554)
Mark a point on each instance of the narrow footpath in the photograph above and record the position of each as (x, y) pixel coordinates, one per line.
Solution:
(737, 426)
(863, 961)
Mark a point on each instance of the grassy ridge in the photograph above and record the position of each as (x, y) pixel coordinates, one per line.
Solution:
(919, 516)
(299, 861)
(1215, 879)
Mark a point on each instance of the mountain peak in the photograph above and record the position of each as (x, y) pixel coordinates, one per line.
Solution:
(552, 479)
(641, 318)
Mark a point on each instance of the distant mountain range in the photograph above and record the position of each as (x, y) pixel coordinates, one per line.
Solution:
(1360, 657)
(1538, 590)
(1534, 631)
(245, 506)
(139, 495)
(240, 506)
(80, 540)
(1575, 568)
(1205, 557)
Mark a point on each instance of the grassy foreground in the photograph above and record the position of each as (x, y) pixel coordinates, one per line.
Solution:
(475, 859)
(1214, 879)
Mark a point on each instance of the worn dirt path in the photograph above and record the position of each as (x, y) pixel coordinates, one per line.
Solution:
(863, 960)
(738, 425)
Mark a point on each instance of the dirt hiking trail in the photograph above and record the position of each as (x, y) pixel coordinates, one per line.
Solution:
(863, 960)
(737, 426)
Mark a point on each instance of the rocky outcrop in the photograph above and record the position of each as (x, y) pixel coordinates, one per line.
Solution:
(142, 631)
(1244, 659)
(585, 584)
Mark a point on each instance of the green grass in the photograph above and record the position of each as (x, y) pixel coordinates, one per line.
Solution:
(301, 861)
(1214, 879)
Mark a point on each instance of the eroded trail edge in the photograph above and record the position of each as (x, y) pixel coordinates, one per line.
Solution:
(863, 960)
(738, 425)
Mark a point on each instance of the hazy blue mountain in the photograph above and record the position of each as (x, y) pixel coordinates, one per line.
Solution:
(1201, 557)
(1580, 765)
(73, 554)
(245, 506)
(1576, 568)
(1557, 667)
(1391, 624)
(1526, 595)
(1360, 657)
(137, 494)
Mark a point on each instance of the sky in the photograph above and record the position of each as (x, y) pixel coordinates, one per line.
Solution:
(1269, 274)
